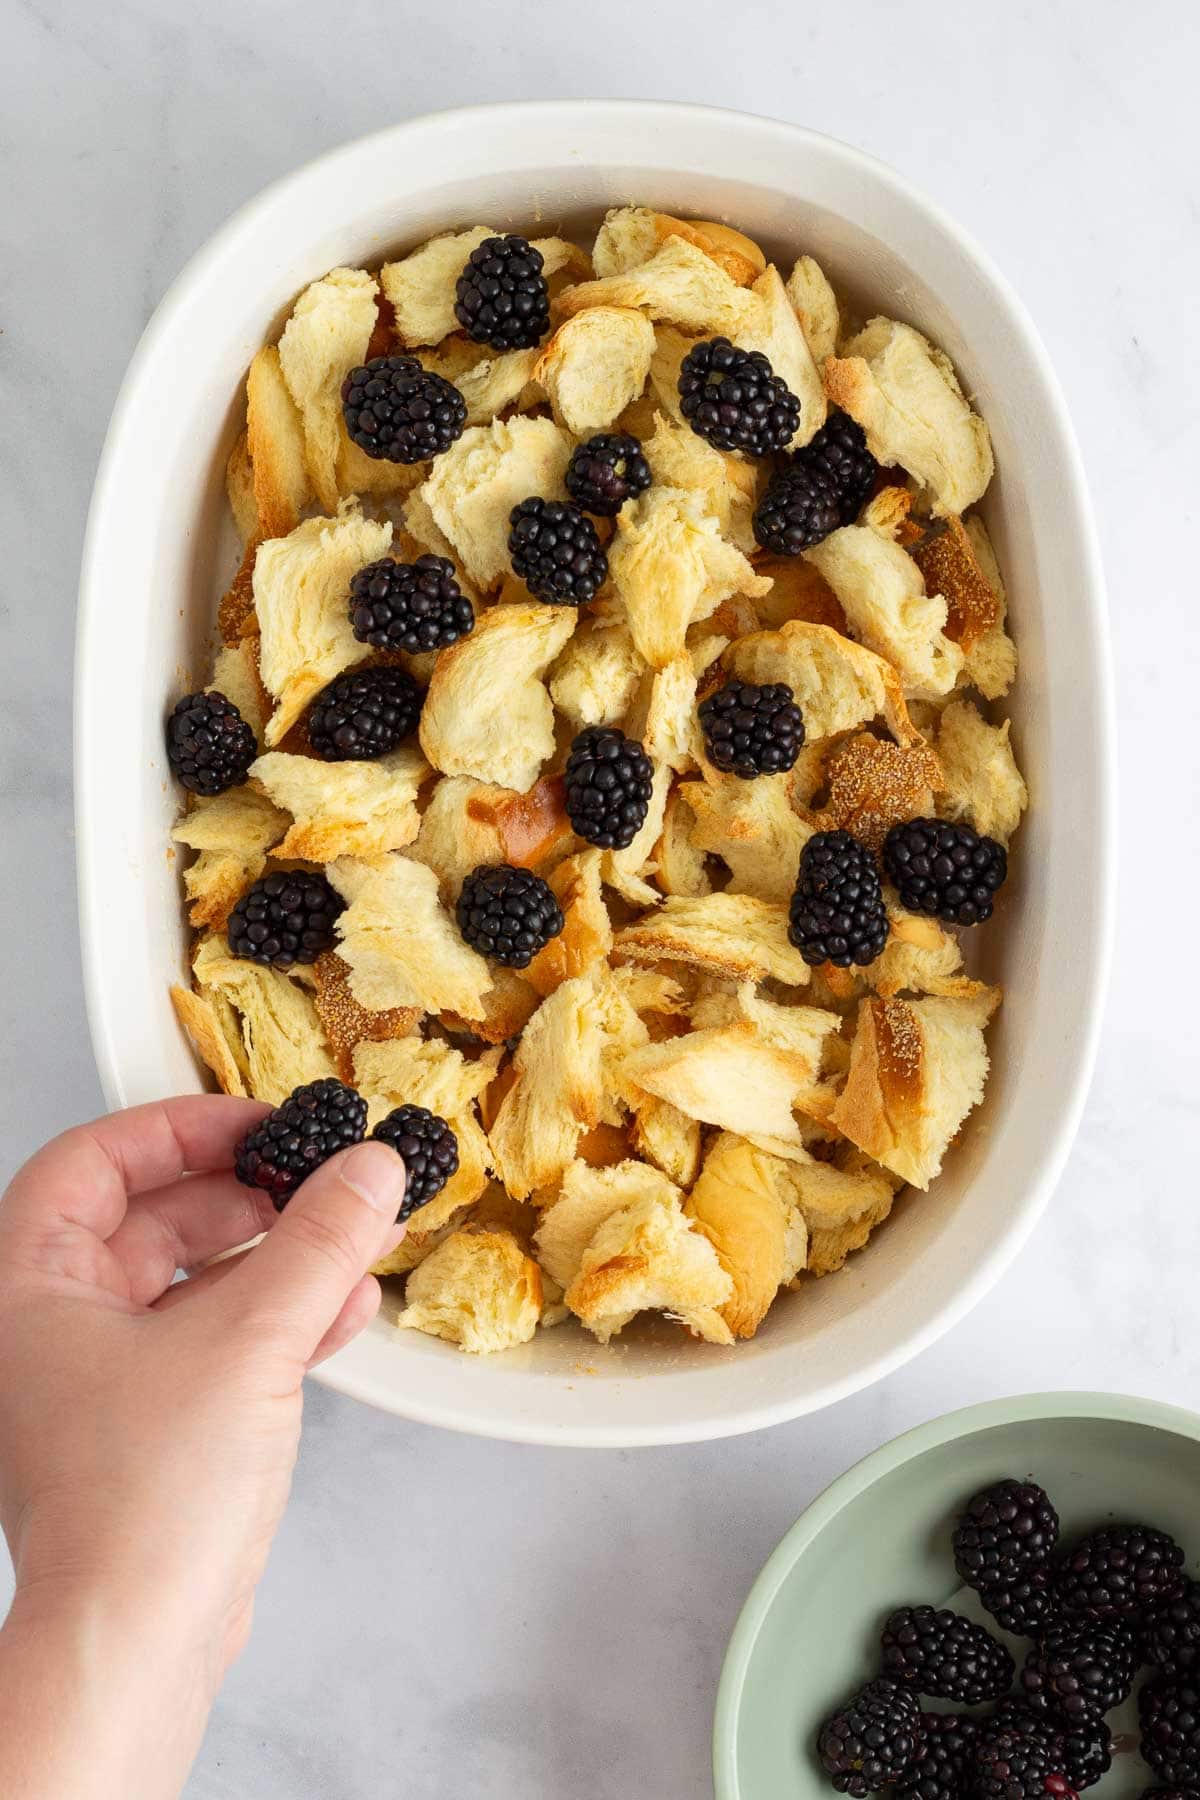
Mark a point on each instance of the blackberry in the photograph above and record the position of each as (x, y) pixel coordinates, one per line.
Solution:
(1169, 1712)
(606, 472)
(944, 869)
(507, 914)
(1014, 1713)
(1026, 1603)
(1005, 1528)
(1171, 1793)
(363, 714)
(555, 551)
(1083, 1752)
(429, 1149)
(734, 400)
(942, 1771)
(942, 1654)
(751, 730)
(399, 412)
(608, 780)
(1120, 1572)
(1172, 1637)
(1080, 1671)
(837, 912)
(501, 298)
(1087, 1752)
(839, 453)
(314, 1122)
(798, 508)
(285, 919)
(1012, 1763)
(409, 606)
(209, 744)
(872, 1739)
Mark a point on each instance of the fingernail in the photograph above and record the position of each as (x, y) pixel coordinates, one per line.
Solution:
(376, 1174)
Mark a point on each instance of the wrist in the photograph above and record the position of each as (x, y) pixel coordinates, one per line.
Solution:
(96, 1696)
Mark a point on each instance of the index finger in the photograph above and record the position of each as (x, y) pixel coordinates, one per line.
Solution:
(85, 1176)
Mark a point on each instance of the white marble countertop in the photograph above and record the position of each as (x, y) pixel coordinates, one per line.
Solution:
(449, 1618)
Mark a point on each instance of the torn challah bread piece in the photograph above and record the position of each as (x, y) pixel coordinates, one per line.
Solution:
(400, 944)
(593, 696)
(905, 395)
(838, 684)
(630, 235)
(475, 484)
(487, 713)
(281, 1032)
(301, 587)
(420, 286)
(648, 1257)
(745, 1203)
(917, 1068)
(595, 365)
(670, 567)
(478, 1289)
(344, 808)
(231, 834)
(981, 781)
(326, 336)
(882, 593)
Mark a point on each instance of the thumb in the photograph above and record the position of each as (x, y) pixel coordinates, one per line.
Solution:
(293, 1285)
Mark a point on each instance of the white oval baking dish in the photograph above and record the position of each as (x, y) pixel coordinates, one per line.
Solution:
(157, 552)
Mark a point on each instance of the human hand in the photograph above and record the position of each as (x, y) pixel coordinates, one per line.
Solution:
(148, 1430)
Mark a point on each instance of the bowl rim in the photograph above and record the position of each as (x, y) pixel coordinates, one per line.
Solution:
(1016, 1409)
(642, 117)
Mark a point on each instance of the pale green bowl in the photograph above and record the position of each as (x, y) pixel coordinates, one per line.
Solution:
(880, 1538)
